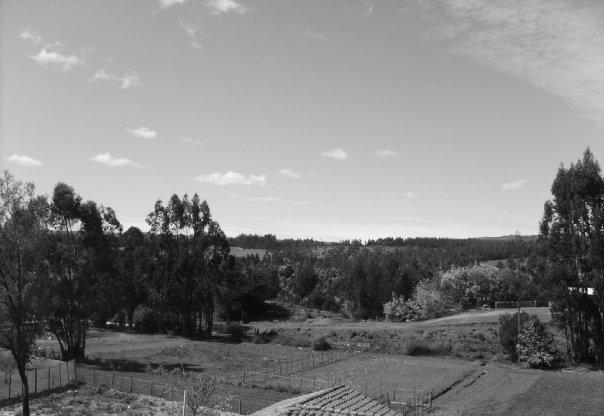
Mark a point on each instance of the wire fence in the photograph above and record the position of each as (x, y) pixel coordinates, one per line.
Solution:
(45, 378)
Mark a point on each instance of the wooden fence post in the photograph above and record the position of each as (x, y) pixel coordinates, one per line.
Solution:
(239, 406)
(10, 382)
(112, 378)
(36, 381)
(48, 378)
(184, 402)
(60, 376)
(131, 384)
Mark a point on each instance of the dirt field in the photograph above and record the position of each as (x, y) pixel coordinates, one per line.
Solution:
(384, 373)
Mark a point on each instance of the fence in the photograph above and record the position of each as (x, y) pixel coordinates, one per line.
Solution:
(303, 362)
(514, 304)
(39, 379)
(129, 384)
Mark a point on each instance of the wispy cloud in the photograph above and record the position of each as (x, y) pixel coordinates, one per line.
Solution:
(410, 195)
(142, 132)
(191, 31)
(164, 4)
(23, 160)
(225, 6)
(555, 45)
(313, 35)
(190, 141)
(129, 80)
(108, 160)
(513, 186)
(54, 59)
(369, 7)
(288, 173)
(232, 178)
(31, 35)
(386, 153)
(263, 199)
(337, 153)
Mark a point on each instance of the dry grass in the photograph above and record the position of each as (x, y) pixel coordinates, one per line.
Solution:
(97, 402)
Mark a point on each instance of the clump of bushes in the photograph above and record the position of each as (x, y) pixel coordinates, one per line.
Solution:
(427, 302)
(320, 344)
(534, 346)
(236, 332)
(508, 332)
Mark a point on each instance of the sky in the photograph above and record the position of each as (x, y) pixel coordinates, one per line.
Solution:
(325, 119)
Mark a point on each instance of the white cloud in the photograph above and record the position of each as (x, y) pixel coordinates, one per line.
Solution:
(263, 199)
(57, 60)
(225, 6)
(555, 45)
(337, 153)
(513, 186)
(232, 178)
(191, 31)
(128, 80)
(164, 4)
(23, 160)
(107, 160)
(190, 141)
(313, 35)
(142, 132)
(288, 173)
(386, 153)
(410, 195)
(31, 35)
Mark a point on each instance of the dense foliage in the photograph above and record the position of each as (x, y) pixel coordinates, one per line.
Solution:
(572, 240)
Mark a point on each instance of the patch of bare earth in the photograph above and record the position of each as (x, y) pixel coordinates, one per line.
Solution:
(489, 391)
(562, 393)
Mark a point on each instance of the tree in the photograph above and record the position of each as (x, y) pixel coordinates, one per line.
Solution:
(133, 268)
(81, 267)
(188, 249)
(572, 240)
(22, 296)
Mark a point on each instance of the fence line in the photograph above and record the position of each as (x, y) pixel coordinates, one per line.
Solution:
(303, 362)
(38, 379)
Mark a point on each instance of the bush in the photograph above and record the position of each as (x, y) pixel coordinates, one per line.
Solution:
(145, 320)
(418, 347)
(320, 344)
(536, 345)
(236, 332)
(508, 332)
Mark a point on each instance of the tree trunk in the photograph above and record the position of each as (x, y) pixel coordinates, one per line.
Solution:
(25, 384)
(130, 319)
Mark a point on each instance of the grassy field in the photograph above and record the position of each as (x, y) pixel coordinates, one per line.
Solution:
(458, 359)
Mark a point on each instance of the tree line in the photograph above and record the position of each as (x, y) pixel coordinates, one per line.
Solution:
(67, 264)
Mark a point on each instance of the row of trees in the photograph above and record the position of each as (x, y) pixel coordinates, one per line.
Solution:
(66, 263)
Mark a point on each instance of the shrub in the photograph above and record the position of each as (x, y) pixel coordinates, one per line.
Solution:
(145, 320)
(320, 344)
(508, 332)
(535, 345)
(236, 332)
(418, 347)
